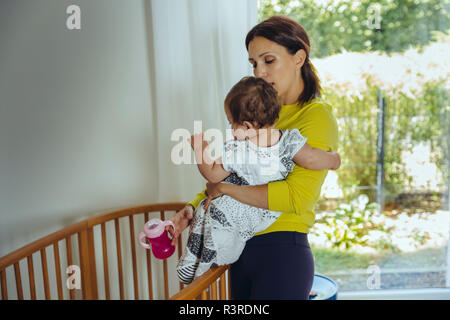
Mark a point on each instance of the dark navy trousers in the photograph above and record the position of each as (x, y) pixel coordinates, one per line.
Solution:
(276, 265)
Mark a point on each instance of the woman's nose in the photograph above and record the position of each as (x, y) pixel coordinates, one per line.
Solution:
(260, 72)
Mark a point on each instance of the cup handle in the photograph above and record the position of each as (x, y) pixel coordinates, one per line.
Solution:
(144, 245)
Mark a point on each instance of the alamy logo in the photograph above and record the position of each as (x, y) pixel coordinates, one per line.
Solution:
(74, 280)
(373, 280)
(374, 21)
(73, 22)
(182, 152)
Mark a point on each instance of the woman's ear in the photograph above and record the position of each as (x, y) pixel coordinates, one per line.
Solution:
(300, 58)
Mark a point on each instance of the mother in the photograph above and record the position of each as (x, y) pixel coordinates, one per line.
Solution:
(277, 263)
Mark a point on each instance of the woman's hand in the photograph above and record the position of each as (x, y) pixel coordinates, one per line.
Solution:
(181, 220)
(213, 191)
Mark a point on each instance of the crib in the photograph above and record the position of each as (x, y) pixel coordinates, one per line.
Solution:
(108, 262)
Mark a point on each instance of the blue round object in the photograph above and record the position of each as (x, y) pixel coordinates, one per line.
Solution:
(323, 288)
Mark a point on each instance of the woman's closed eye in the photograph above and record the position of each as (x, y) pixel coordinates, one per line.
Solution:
(254, 65)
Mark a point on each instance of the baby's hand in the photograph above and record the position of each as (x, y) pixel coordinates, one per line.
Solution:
(197, 142)
(337, 161)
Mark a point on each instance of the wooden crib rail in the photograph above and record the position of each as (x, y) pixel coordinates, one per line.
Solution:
(84, 231)
(205, 286)
(27, 252)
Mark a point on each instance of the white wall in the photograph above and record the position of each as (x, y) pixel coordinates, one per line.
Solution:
(76, 133)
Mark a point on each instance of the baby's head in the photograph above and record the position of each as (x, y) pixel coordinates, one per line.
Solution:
(251, 104)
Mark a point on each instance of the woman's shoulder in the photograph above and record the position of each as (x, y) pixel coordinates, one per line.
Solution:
(317, 104)
(319, 124)
(315, 120)
(318, 110)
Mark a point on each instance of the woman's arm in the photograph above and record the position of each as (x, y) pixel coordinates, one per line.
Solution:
(255, 196)
(198, 198)
(297, 194)
(301, 189)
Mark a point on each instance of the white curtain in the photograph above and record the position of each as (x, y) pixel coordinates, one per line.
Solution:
(197, 52)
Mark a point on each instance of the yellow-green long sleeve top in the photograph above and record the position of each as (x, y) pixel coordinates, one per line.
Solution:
(297, 195)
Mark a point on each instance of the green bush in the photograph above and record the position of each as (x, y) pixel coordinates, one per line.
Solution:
(357, 118)
(350, 224)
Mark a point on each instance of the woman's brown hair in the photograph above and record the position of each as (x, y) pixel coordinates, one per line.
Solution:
(291, 35)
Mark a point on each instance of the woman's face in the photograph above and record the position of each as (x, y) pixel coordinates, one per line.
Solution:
(273, 63)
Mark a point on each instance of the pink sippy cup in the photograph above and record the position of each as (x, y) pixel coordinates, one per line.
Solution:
(157, 236)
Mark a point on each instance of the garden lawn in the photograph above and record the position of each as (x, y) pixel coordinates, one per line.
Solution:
(327, 260)
(332, 260)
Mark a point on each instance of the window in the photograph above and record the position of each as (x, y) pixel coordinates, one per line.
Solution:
(383, 219)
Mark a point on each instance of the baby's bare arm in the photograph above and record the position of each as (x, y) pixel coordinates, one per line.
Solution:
(212, 171)
(317, 159)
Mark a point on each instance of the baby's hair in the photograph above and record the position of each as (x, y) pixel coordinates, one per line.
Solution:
(254, 100)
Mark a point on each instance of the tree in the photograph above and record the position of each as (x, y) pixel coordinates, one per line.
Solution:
(334, 26)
